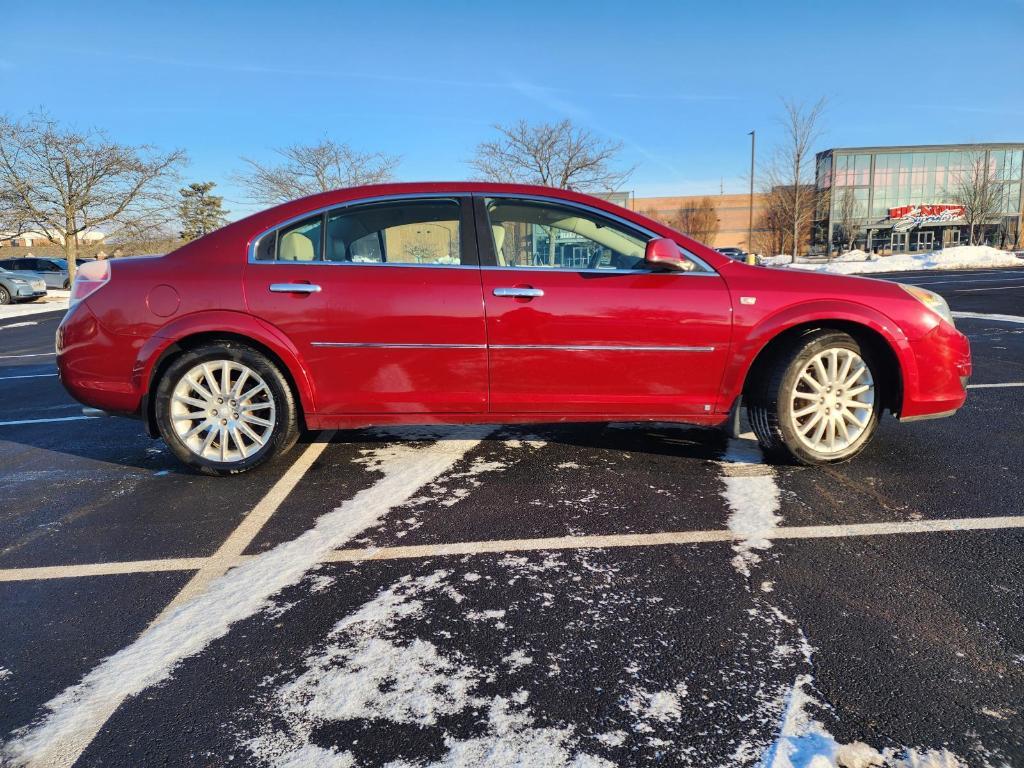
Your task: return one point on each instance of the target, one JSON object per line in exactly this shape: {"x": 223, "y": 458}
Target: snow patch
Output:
{"x": 54, "y": 301}
{"x": 661, "y": 706}
{"x": 960, "y": 257}
{"x": 81, "y": 709}
{"x": 752, "y": 496}
{"x": 365, "y": 674}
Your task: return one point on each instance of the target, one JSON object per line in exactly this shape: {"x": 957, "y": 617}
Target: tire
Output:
{"x": 5, "y": 295}
{"x": 67, "y": 285}
{"x": 794, "y": 421}
{"x": 241, "y": 435}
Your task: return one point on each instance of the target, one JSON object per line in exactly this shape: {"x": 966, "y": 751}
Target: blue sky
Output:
{"x": 679, "y": 84}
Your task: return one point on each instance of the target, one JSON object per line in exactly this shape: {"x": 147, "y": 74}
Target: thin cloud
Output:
{"x": 674, "y": 97}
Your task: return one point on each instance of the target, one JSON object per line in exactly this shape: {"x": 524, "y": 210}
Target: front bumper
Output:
{"x": 24, "y": 292}
{"x": 942, "y": 367}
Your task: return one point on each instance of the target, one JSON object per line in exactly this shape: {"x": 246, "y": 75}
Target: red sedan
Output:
{"x": 457, "y": 303}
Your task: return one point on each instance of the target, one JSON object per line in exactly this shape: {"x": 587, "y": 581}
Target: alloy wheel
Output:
{"x": 833, "y": 400}
{"x": 223, "y": 411}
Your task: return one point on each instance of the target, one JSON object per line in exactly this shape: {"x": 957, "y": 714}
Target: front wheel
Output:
{"x": 5, "y": 295}
{"x": 816, "y": 401}
{"x": 225, "y": 408}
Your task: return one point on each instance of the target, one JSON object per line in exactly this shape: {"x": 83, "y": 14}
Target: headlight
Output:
{"x": 932, "y": 300}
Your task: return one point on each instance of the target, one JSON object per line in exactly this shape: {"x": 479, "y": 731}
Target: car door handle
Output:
{"x": 519, "y": 293}
{"x": 294, "y": 288}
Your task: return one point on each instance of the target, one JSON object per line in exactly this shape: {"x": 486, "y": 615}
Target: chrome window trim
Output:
{"x": 254, "y": 242}
{"x": 601, "y": 271}
{"x": 709, "y": 270}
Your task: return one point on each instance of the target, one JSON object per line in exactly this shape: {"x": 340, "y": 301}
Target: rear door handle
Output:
{"x": 519, "y": 293}
{"x": 294, "y": 288}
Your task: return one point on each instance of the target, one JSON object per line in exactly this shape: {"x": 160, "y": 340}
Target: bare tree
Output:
{"x": 654, "y": 213}
{"x": 845, "y": 212}
{"x": 980, "y": 192}
{"x": 772, "y": 235}
{"x": 199, "y": 211}
{"x": 699, "y": 222}
{"x": 311, "y": 168}
{"x": 559, "y": 155}
{"x": 64, "y": 182}
{"x": 791, "y": 170}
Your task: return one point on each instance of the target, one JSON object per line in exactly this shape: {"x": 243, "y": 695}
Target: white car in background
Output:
{"x": 15, "y": 287}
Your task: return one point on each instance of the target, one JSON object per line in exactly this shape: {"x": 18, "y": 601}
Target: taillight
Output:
{"x": 89, "y": 278}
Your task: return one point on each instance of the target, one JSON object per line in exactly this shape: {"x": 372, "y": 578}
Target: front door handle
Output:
{"x": 294, "y": 288}
{"x": 519, "y": 293}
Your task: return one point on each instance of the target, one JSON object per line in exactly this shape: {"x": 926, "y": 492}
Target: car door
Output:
{"x": 577, "y": 323}
{"x": 383, "y": 300}
{"x": 50, "y": 272}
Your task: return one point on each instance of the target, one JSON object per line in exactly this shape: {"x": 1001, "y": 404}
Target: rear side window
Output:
{"x": 399, "y": 232}
{"x": 300, "y": 241}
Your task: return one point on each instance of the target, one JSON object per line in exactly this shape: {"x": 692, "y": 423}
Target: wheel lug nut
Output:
{"x": 223, "y": 421}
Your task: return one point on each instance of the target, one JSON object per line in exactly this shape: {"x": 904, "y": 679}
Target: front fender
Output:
{"x": 216, "y": 321}
{"x": 753, "y": 341}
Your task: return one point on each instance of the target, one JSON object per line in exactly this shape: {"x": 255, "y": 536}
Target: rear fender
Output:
{"x": 218, "y": 321}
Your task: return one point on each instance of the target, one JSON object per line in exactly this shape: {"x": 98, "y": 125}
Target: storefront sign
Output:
{"x": 907, "y": 217}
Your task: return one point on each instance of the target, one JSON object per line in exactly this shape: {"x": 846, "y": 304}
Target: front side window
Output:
{"x": 399, "y": 232}
{"x": 530, "y": 233}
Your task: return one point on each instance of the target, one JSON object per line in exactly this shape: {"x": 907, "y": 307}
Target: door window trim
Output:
{"x": 488, "y": 261}
{"x": 467, "y": 235}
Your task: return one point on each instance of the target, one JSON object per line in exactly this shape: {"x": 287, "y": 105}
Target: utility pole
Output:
{"x": 750, "y": 223}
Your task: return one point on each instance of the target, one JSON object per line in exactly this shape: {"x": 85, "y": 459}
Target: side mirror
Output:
{"x": 663, "y": 253}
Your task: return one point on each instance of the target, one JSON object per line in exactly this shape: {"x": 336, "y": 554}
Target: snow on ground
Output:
{"x": 54, "y": 300}
{"x": 858, "y": 262}
{"x": 81, "y": 709}
{"x": 754, "y": 500}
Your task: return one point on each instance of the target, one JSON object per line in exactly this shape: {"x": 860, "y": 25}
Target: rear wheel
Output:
{"x": 816, "y": 401}
{"x": 5, "y": 295}
{"x": 225, "y": 408}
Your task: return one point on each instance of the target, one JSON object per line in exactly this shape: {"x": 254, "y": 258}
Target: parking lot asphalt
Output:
{"x": 604, "y": 594}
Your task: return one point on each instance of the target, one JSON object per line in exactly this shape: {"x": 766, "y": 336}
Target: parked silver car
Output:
{"x": 20, "y": 288}
{"x": 52, "y": 271}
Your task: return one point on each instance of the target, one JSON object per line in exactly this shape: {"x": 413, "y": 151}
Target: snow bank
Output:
{"x": 52, "y": 302}
{"x": 960, "y": 257}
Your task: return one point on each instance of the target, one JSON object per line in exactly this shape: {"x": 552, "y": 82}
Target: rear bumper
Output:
{"x": 942, "y": 366}
{"x": 94, "y": 365}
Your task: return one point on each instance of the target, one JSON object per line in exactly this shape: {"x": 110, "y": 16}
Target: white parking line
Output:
{"x": 499, "y": 546}
{"x": 996, "y": 386}
{"x": 44, "y": 421}
{"x": 36, "y": 354}
{"x": 19, "y": 325}
{"x": 997, "y": 288}
{"x": 27, "y": 376}
{"x": 985, "y": 316}
{"x": 77, "y": 714}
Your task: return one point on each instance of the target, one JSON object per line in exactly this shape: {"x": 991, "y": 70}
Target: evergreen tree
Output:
{"x": 199, "y": 211}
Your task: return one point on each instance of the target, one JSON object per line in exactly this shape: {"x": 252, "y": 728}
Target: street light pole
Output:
{"x": 750, "y": 222}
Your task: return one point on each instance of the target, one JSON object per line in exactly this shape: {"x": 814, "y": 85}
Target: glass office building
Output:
{"x": 906, "y": 198}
